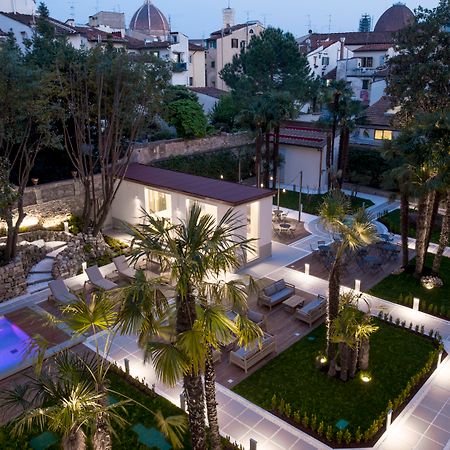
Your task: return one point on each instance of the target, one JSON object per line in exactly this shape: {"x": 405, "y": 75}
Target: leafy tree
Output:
{"x": 223, "y": 115}
{"x": 270, "y": 71}
{"x": 354, "y": 231}
{"x": 174, "y": 93}
{"x": 418, "y": 79}
{"x": 102, "y": 100}
{"x": 188, "y": 118}
{"x": 24, "y": 130}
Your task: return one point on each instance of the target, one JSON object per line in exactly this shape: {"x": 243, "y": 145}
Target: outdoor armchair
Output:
{"x": 312, "y": 311}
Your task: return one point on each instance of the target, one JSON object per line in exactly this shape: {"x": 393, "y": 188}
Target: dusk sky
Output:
{"x": 197, "y": 18}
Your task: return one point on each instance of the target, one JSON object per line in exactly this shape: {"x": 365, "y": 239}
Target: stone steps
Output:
{"x": 53, "y": 254}
{"x": 44, "y": 266}
{"x": 33, "y": 288}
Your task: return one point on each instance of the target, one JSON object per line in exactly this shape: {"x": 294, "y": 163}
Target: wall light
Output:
{"x": 306, "y": 269}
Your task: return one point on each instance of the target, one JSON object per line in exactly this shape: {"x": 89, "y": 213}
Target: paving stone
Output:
{"x": 438, "y": 434}
{"x": 39, "y": 277}
{"x": 236, "y": 430}
{"x": 33, "y": 288}
{"x": 43, "y": 266}
{"x": 249, "y": 417}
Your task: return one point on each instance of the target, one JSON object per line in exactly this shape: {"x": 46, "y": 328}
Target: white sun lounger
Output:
{"x": 60, "y": 292}
{"x": 98, "y": 280}
{"x": 124, "y": 269}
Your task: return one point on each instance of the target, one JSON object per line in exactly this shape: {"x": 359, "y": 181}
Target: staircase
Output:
{"x": 41, "y": 273}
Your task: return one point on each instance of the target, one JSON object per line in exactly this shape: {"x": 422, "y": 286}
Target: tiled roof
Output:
{"x": 373, "y": 47}
{"x": 195, "y": 47}
{"x": 232, "y": 194}
{"x": 303, "y": 136}
{"x": 351, "y": 38}
{"x": 226, "y": 31}
{"x": 137, "y": 44}
{"x": 211, "y": 91}
{"x": 376, "y": 114}
{"x": 94, "y": 35}
{"x": 30, "y": 21}
{"x": 331, "y": 75}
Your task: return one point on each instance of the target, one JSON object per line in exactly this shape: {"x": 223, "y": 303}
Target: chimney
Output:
{"x": 342, "y": 39}
{"x": 228, "y": 18}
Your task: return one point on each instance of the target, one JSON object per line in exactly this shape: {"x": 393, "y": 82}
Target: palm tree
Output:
{"x": 355, "y": 231}
{"x": 191, "y": 252}
{"x": 444, "y": 237}
{"x": 63, "y": 398}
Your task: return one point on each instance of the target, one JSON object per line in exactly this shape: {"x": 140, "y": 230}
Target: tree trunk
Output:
{"x": 76, "y": 440}
{"x": 344, "y": 157}
{"x": 258, "y": 145}
{"x": 102, "y": 435}
{"x": 444, "y": 237}
{"x": 267, "y": 162}
{"x": 211, "y": 403}
{"x": 433, "y": 216}
{"x": 344, "y": 351}
{"x": 275, "y": 157}
{"x": 424, "y": 207}
{"x": 404, "y": 222}
{"x": 364, "y": 354}
{"x": 192, "y": 382}
{"x": 334, "y": 285}
{"x": 353, "y": 362}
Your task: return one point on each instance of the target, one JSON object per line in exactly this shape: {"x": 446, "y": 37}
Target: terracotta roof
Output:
{"x": 210, "y": 91}
{"x": 351, "y": 38}
{"x": 150, "y": 20}
{"x": 95, "y": 35}
{"x": 373, "y": 47}
{"x": 376, "y": 114}
{"x": 195, "y": 47}
{"x": 395, "y": 18}
{"x": 30, "y": 21}
{"x": 226, "y": 31}
{"x": 137, "y": 44}
{"x": 331, "y": 75}
{"x": 303, "y": 136}
{"x": 232, "y": 194}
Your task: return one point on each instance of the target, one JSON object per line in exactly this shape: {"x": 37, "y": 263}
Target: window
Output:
{"x": 383, "y": 135}
{"x": 367, "y": 61}
{"x": 191, "y": 81}
{"x": 155, "y": 54}
{"x": 243, "y": 44}
{"x": 325, "y": 60}
{"x": 365, "y": 84}
{"x": 190, "y": 59}
{"x": 234, "y": 43}
{"x": 211, "y": 44}
{"x": 213, "y": 64}
{"x": 158, "y": 202}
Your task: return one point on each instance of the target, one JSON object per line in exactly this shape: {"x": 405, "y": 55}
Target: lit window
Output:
{"x": 383, "y": 135}
{"x": 157, "y": 202}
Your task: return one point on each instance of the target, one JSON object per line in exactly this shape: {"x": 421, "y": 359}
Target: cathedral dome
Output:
{"x": 395, "y": 18}
{"x": 148, "y": 19}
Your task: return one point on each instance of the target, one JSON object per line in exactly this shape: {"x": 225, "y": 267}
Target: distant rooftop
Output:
{"x": 210, "y": 91}
{"x": 303, "y": 135}
{"x": 232, "y": 194}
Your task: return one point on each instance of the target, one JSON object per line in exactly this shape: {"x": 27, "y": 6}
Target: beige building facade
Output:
{"x": 197, "y": 65}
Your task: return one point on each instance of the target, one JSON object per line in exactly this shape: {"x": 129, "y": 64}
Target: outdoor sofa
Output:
{"x": 312, "y": 311}
{"x": 246, "y": 358}
{"x": 259, "y": 318}
{"x": 275, "y": 293}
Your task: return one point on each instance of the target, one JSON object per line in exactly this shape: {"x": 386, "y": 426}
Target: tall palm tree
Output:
{"x": 355, "y": 231}
{"x": 191, "y": 252}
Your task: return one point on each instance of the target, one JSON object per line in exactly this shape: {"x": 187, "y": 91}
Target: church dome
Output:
{"x": 148, "y": 19}
{"x": 395, "y": 18}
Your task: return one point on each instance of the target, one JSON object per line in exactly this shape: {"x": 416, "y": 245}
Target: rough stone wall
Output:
{"x": 80, "y": 249}
{"x": 13, "y": 276}
{"x": 146, "y": 153}
{"x": 45, "y": 235}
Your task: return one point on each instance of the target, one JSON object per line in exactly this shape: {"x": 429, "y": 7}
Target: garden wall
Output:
{"x": 146, "y": 153}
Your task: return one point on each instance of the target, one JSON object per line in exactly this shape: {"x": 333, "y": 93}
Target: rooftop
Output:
{"x": 395, "y": 18}
{"x": 373, "y": 47}
{"x": 30, "y": 21}
{"x": 232, "y": 194}
{"x": 303, "y": 136}
{"x": 226, "y": 31}
{"x": 210, "y": 91}
{"x": 379, "y": 113}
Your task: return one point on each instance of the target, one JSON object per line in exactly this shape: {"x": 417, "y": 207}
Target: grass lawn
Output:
{"x": 404, "y": 284}
{"x": 312, "y": 202}
{"x": 392, "y": 221}
{"x": 395, "y": 356}
{"x": 125, "y": 438}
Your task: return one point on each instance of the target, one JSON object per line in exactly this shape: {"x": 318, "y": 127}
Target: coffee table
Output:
{"x": 292, "y": 303}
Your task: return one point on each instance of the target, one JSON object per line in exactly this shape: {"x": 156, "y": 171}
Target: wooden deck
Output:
{"x": 280, "y": 324}
{"x": 368, "y": 276}
{"x": 295, "y": 233}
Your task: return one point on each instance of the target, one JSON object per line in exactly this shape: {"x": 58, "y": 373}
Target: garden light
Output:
{"x": 365, "y": 377}
{"x": 416, "y": 302}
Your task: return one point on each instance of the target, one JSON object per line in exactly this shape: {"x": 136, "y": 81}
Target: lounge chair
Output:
{"x": 312, "y": 311}
{"x": 124, "y": 269}
{"x": 60, "y": 292}
{"x": 98, "y": 280}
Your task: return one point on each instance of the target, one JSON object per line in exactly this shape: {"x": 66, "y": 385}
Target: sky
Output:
{"x": 198, "y": 18}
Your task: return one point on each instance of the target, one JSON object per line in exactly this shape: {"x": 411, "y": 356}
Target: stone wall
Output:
{"x": 13, "y": 276}
{"x": 79, "y": 249}
{"x": 146, "y": 153}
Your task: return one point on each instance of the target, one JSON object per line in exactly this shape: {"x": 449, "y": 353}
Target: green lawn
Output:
{"x": 396, "y": 355}
{"x": 312, "y": 202}
{"x": 404, "y": 284}
{"x": 125, "y": 438}
{"x": 392, "y": 221}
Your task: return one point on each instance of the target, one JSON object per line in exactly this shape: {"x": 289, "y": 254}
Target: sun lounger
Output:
{"x": 98, "y": 280}
{"x": 60, "y": 292}
{"x": 124, "y": 269}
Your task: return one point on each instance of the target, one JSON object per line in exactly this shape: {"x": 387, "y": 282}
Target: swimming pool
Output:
{"x": 13, "y": 345}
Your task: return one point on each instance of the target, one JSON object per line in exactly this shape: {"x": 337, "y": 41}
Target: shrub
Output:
{"x": 313, "y": 423}
{"x": 403, "y": 323}
{"x": 339, "y": 436}
{"x": 188, "y": 118}
{"x": 305, "y": 420}
{"x": 117, "y": 246}
{"x": 274, "y": 402}
{"x": 329, "y": 433}
{"x": 422, "y": 329}
{"x": 281, "y": 406}
{"x": 347, "y": 436}
{"x": 358, "y": 435}
{"x": 397, "y": 321}
{"x": 76, "y": 224}
{"x": 320, "y": 428}
{"x": 297, "y": 416}
{"x": 287, "y": 410}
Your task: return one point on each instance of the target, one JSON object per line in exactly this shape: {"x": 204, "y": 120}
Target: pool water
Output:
{"x": 13, "y": 345}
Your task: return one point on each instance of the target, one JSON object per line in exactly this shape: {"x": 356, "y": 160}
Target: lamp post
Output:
{"x": 300, "y": 206}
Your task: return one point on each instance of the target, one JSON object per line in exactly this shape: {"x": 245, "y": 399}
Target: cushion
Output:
{"x": 245, "y": 353}
{"x": 282, "y": 295}
{"x": 280, "y": 285}
{"x": 270, "y": 290}
{"x": 310, "y": 307}
{"x": 255, "y": 316}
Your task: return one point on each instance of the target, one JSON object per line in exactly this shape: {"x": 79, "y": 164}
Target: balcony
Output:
{"x": 179, "y": 67}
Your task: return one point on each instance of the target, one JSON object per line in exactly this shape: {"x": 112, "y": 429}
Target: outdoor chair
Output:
{"x": 312, "y": 311}
{"x": 60, "y": 292}
{"x": 123, "y": 268}
{"x": 98, "y": 280}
